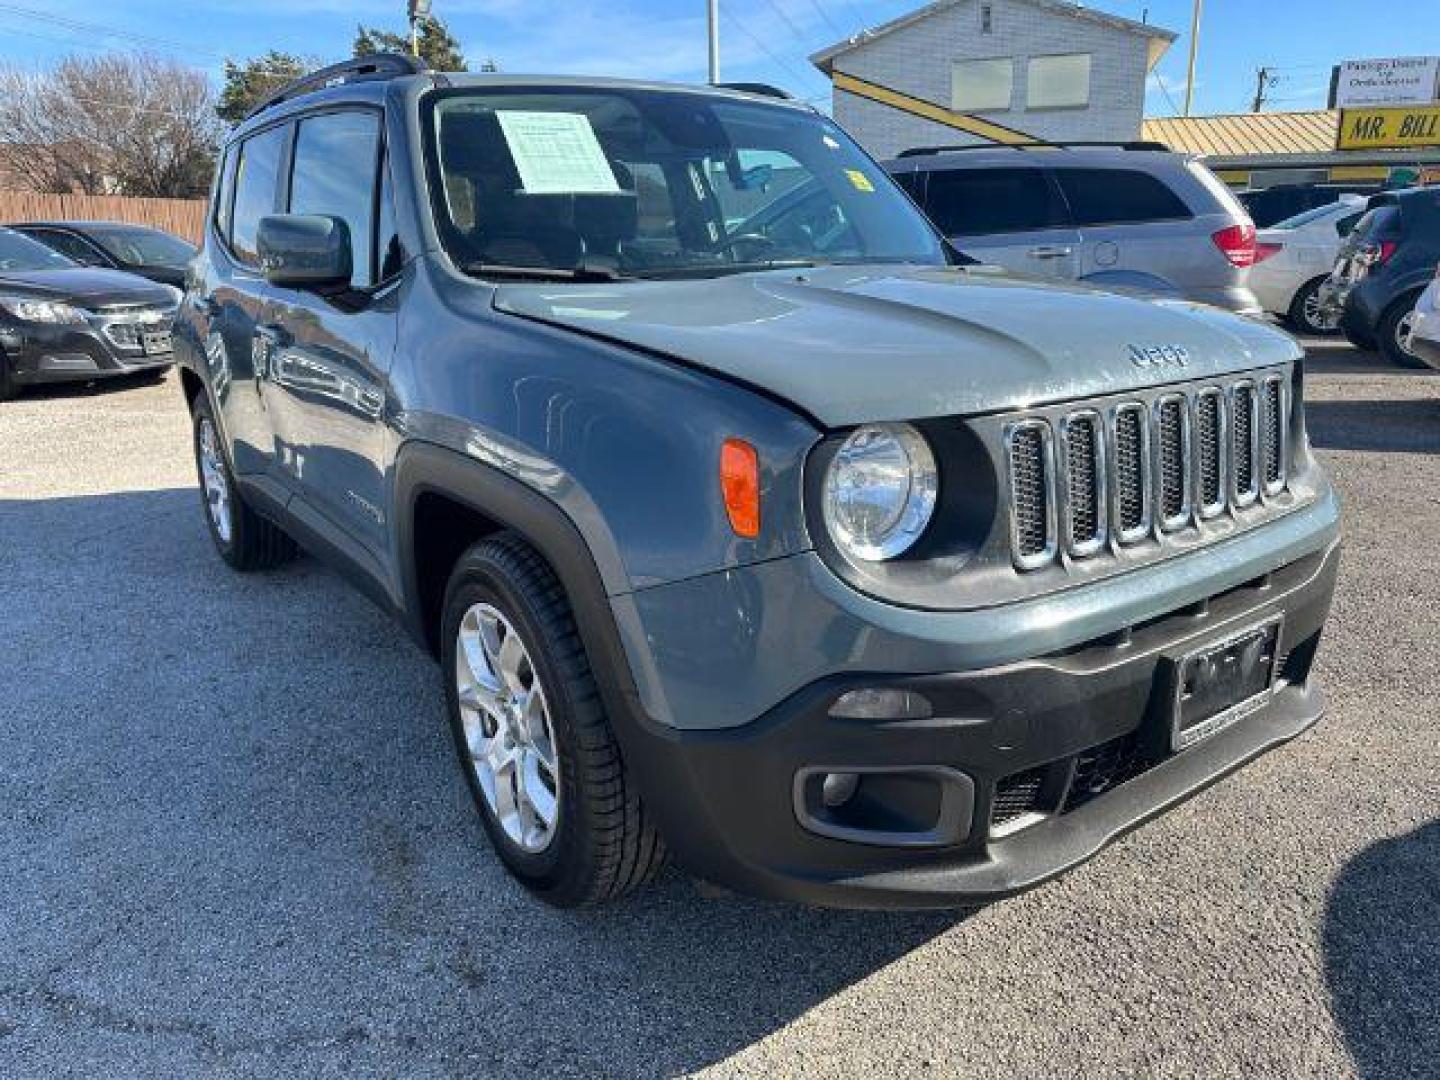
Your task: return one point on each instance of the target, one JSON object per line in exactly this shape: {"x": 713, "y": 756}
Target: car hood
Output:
{"x": 849, "y": 345}
{"x": 87, "y": 286}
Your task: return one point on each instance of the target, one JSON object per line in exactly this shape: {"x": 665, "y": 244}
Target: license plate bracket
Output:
{"x": 1222, "y": 682}
{"x": 155, "y": 342}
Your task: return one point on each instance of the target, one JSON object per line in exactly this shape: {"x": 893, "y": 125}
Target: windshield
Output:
{"x": 142, "y": 247}
{"x": 19, "y": 252}
{"x": 651, "y": 183}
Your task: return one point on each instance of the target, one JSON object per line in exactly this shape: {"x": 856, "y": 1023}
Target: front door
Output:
{"x": 330, "y": 353}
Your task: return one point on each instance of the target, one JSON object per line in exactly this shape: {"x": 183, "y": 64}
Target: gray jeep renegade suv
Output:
{"x": 747, "y": 521}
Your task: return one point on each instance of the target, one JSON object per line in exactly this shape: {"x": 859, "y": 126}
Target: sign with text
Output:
{"x": 1406, "y": 80}
{"x": 1389, "y": 129}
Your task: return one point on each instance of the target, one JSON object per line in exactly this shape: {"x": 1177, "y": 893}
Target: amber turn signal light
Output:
{"x": 740, "y": 484}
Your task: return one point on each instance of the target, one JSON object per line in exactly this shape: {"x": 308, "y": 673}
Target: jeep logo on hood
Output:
{"x": 1159, "y": 356}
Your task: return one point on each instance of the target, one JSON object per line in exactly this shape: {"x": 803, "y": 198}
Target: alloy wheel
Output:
{"x": 217, "y": 483}
{"x": 1315, "y": 316}
{"x": 1402, "y": 332}
{"x": 509, "y": 740}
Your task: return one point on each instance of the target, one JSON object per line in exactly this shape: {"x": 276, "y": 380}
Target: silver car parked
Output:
{"x": 1130, "y": 216}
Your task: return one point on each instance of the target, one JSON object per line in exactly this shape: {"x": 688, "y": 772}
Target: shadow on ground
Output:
{"x": 1408, "y": 426}
{"x": 1382, "y": 955}
{"x": 234, "y": 835}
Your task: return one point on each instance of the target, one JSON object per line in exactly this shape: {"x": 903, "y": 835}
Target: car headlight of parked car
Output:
{"x": 880, "y": 491}
{"x": 29, "y": 309}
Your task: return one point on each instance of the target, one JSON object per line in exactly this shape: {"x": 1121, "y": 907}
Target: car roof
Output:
{"x": 376, "y": 91}
{"x": 1038, "y": 157}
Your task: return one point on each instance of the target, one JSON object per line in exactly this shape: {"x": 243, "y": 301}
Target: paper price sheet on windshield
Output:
{"x": 556, "y": 153}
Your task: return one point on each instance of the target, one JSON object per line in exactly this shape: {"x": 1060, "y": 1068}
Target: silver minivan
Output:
{"x": 1129, "y": 216}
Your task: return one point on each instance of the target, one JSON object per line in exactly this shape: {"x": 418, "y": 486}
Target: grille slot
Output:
{"x": 1144, "y": 468}
{"x": 1132, "y": 466}
{"x": 1084, "y": 448}
{"x": 1242, "y": 443}
{"x": 1016, "y": 797}
{"x": 1104, "y": 767}
{"x": 1032, "y": 514}
{"x": 1209, "y": 451}
{"x": 1172, "y": 461}
{"x": 1272, "y": 434}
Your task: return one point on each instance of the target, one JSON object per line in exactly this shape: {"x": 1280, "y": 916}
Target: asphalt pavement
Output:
{"x": 234, "y": 841}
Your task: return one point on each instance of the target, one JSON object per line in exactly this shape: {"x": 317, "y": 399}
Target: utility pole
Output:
{"x": 1263, "y": 81}
{"x": 419, "y": 10}
{"x": 1194, "y": 48}
{"x": 712, "y": 19}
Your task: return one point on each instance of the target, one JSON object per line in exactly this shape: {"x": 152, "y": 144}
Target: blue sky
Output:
{"x": 765, "y": 40}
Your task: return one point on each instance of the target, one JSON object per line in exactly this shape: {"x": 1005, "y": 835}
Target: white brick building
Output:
{"x": 1046, "y": 68}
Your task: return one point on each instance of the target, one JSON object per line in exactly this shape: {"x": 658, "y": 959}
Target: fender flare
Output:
{"x": 422, "y": 468}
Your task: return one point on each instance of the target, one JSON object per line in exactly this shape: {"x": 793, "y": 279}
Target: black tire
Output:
{"x": 603, "y": 844}
{"x": 7, "y": 383}
{"x": 1302, "y": 322}
{"x": 1388, "y": 332}
{"x": 1357, "y": 336}
{"x": 254, "y": 542}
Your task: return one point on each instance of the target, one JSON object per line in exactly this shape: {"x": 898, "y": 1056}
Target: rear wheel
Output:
{"x": 1394, "y": 332}
{"x": 1306, "y": 315}
{"x": 531, "y": 732}
{"x": 244, "y": 539}
{"x": 7, "y": 381}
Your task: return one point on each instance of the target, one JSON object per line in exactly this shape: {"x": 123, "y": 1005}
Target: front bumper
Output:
{"x": 39, "y": 353}
{"x": 1081, "y": 734}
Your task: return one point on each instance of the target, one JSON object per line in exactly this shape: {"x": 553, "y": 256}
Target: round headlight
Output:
{"x": 880, "y": 491}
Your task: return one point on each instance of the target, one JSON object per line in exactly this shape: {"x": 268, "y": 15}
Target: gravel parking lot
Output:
{"x": 233, "y": 839}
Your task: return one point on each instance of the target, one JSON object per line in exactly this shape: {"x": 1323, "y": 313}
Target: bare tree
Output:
{"x": 129, "y": 124}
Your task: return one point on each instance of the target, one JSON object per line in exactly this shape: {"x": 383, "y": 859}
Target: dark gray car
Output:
{"x": 1139, "y": 218}
{"x": 745, "y": 524}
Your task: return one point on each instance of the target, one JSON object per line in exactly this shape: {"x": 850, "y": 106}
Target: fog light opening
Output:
{"x": 881, "y": 704}
{"x": 838, "y": 788}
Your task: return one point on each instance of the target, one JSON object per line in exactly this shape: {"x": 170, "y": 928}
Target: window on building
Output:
{"x": 255, "y": 189}
{"x": 1058, "y": 82}
{"x": 987, "y": 18}
{"x": 1114, "y": 196}
{"x": 977, "y": 85}
{"x": 336, "y": 155}
{"x": 977, "y": 202}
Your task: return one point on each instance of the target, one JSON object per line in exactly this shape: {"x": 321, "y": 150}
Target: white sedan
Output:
{"x": 1293, "y": 257}
{"x": 1424, "y": 326}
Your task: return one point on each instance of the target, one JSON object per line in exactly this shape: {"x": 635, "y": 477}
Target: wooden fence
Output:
{"x": 183, "y": 217}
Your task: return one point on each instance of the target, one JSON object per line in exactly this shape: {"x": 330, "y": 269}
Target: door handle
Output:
{"x": 1060, "y": 251}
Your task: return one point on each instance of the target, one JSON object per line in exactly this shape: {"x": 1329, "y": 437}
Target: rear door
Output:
{"x": 1008, "y": 216}
{"x": 1131, "y": 225}
{"x": 332, "y": 352}
{"x": 232, "y": 300}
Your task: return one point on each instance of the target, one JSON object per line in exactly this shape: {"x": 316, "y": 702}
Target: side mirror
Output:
{"x": 305, "y": 251}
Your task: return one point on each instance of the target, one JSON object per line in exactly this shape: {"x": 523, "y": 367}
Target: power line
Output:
{"x": 735, "y": 22}
{"x": 775, "y": 7}
{"x": 84, "y": 26}
{"x": 826, "y": 16}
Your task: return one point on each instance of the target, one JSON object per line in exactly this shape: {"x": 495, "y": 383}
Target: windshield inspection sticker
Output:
{"x": 859, "y": 180}
{"x": 557, "y": 153}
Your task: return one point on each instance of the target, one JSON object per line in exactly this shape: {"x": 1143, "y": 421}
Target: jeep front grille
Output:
{"x": 1082, "y": 480}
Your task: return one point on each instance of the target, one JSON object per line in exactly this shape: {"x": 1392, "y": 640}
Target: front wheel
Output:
{"x": 531, "y": 732}
{"x": 1394, "y": 333}
{"x": 1307, "y": 315}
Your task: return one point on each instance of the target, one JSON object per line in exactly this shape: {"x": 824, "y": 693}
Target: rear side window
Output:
{"x": 1118, "y": 196}
{"x": 1348, "y": 222}
{"x": 256, "y": 178}
{"x": 975, "y": 202}
{"x": 337, "y": 158}
{"x": 225, "y": 193}
{"x": 912, "y": 182}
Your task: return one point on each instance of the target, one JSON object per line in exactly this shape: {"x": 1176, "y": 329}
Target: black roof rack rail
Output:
{"x": 1133, "y": 144}
{"x": 764, "y": 89}
{"x": 372, "y": 68}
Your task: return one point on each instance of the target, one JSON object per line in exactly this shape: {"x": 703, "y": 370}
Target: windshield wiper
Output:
{"x": 545, "y": 273}
{"x": 704, "y": 270}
